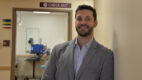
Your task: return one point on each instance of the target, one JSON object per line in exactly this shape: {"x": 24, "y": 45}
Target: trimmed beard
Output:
{"x": 90, "y": 30}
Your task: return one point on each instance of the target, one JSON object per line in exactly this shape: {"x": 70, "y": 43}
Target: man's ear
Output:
{"x": 95, "y": 23}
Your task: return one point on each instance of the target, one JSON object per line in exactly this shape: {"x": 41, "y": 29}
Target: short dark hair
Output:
{"x": 82, "y": 7}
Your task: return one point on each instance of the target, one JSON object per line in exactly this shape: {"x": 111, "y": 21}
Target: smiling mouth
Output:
{"x": 83, "y": 26}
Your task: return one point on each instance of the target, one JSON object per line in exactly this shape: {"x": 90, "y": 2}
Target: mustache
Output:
{"x": 83, "y": 25}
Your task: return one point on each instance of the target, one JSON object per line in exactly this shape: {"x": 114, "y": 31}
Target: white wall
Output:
{"x": 53, "y": 29}
{"x": 123, "y": 18}
{"x": 127, "y": 39}
{"x": 103, "y": 31}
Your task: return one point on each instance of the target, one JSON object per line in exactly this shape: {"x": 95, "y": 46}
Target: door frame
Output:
{"x": 12, "y": 74}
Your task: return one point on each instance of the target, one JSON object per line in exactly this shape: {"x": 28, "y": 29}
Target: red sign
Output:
{"x": 55, "y": 5}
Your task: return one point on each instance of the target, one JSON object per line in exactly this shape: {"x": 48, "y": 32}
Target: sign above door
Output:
{"x": 55, "y": 5}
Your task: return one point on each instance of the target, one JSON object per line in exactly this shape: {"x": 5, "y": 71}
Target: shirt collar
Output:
{"x": 87, "y": 44}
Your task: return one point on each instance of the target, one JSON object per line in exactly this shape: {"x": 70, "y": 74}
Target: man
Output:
{"x": 82, "y": 58}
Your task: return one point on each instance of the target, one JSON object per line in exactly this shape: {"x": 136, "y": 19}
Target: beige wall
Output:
{"x": 127, "y": 39}
{"x": 103, "y": 32}
{"x": 123, "y": 19}
{"x": 6, "y": 7}
{"x": 4, "y": 75}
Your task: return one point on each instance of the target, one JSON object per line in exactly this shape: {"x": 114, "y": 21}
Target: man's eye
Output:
{"x": 88, "y": 19}
{"x": 79, "y": 19}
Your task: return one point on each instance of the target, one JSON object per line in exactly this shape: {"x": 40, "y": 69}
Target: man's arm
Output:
{"x": 108, "y": 68}
{"x": 50, "y": 70}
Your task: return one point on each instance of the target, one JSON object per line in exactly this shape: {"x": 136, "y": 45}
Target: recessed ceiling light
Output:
{"x": 39, "y": 12}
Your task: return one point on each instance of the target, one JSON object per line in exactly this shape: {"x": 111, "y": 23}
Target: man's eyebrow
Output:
{"x": 88, "y": 16}
{"x": 78, "y": 16}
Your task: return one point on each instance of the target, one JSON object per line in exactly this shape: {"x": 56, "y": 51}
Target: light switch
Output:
{"x": 6, "y": 43}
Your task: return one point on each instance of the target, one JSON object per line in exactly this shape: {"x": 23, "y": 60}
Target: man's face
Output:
{"x": 85, "y": 23}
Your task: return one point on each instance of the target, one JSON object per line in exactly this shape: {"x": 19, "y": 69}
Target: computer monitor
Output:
{"x": 37, "y": 49}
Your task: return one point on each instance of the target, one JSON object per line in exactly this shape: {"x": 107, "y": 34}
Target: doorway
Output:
{"x": 42, "y": 26}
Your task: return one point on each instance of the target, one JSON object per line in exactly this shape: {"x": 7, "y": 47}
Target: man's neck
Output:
{"x": 83, "y": 40}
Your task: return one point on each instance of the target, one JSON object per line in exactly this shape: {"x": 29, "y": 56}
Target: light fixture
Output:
{"x": 39, "y": 12}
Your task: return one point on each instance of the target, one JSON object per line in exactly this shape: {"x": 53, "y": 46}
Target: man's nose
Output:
{"x": 83, "y": 21}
